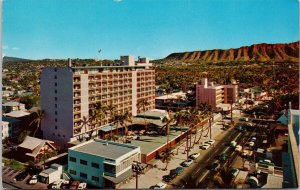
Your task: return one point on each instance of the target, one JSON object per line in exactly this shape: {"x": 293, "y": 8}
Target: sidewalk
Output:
{"x": 154, "y": 175}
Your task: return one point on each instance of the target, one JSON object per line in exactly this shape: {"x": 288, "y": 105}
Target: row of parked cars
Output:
{"x": 207, "y": 144}
{"x": 176, "y": 172}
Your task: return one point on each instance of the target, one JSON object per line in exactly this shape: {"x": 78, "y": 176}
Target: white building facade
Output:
{"x": 101, "y": 163}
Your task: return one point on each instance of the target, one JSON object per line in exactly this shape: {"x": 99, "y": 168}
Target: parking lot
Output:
{"x": 9, "y": 174}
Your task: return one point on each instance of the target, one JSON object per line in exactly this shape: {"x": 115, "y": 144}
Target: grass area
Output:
{"x": 13, "y": 164}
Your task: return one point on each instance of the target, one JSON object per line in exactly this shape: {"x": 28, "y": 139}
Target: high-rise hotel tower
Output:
{"x": 68, "y": 93}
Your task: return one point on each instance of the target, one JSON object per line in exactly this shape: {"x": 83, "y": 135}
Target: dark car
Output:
{"x": 179, "y": 170}
{"x": 215, "y": 166}
{"x": 167, "y": 178}
{"x": 223, "y": 157}
{"x": 21, "y": 176}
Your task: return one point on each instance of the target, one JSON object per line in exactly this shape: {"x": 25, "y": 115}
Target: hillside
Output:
{"x": 257, "y": 52}
{"x": 14, "y": 59}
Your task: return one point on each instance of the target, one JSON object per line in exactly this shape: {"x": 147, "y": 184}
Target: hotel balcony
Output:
{"x": 77, "y": 102}
{"x": 76, "y": 110}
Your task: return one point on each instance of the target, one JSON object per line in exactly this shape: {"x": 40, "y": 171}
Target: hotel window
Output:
{"x": 55, "y": 98}
{"x": 72, "y": 159}
{"x": 55, "y": 105}
{"x": 55, "y": 91}
{"x": 55, "y": 84}
{"x": 55, "y": 127}
{"x": 95, "y": 165}
{"x": 55, "y": 77}
{"x": 72, "y": 172}
{"x": 83, "y": 162}
{"x": 83, "y": 175}
{"x": 94, "y": 178}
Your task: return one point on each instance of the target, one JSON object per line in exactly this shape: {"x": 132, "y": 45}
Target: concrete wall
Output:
{"x": 134, "y": 93}
{"x": 57, "y": 124}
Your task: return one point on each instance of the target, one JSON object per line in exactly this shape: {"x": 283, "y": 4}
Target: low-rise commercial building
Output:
{"x": 102, "y": 163}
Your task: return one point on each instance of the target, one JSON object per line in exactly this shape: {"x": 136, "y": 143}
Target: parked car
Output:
{"x": 188, "y": 162}
{"x": 238, "y": 148}
{"x": 179, "y": 170}
{"x": 168, "y": 178}
{"x": 253, "y": 138}
{"x": 194, "y": 156}
{"x": 204, "y": 146}
{"x": 244, "y": 119}
{"x": 240, "y": 128}
{"x": 223, "y": 157}
{"x": 21, "y": 176}
{"x": 251, "y": 144}
{"x": 210, "y": 142}
{"x": 234, "y": 172}
{"x": 57, "y": 184}
{"x": 74, "y": 184}
{"x": 160, "y": 185}
{"x": 215, "y": 166}
{"x": 267, "y": 162}
{"x": 33, "y": 180}
{"x": 82, "y": 186}
{"x": 233, "y": 143}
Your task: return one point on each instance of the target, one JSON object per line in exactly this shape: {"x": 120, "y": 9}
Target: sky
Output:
{"x": 57, "y": 29}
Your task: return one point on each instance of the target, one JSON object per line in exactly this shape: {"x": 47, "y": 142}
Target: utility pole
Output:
{"x": 138, "y": 169}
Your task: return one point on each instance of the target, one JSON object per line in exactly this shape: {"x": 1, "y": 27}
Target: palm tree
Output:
{"x": 127, "y": 118}
{"x": 178, "y": 119}
{"x": 38, "y": 120}
{"x": 167, "y": 157}
{"x": 111, "y": 110}
{"x": 142, "y": 104}
{"x": 167, "y": 122}
{"x": 84, "y": 123}
{"x": 117, "y": 120}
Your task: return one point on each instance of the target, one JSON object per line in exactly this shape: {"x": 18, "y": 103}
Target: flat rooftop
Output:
{"x": 106, "y": 149}
{"x": 149, "y": 144}
{"x": 171, "y": 96}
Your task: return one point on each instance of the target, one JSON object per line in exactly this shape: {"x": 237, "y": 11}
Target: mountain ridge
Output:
{"x": 263, "y": 52}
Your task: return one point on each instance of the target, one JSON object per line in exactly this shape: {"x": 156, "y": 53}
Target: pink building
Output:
{"x": 215, "y": 94}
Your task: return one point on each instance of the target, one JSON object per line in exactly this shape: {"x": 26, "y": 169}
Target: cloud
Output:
{"x": 118, "y": 1}
{"x": 15, "y": 48}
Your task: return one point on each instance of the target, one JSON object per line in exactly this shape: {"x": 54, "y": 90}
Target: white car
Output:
{"x": 211, "y": 142}
{"x": 234, "y": 172}
{"x": 194, "y": 156}
{"x": 238, "y": 148}
{"x": 33, "y": 180}
{"x": 188, "y": 162}
{"x": 205, "y": 146}
{"x": 251, "y": 143}
{"x": 244, "y": 119}
{"x": 57, "y": 184}
{"x": 160, "y": 185}
{"x": 82, "y": 186}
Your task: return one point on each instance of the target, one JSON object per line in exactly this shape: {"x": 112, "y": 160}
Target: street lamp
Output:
{"x": 138, "y": 169}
